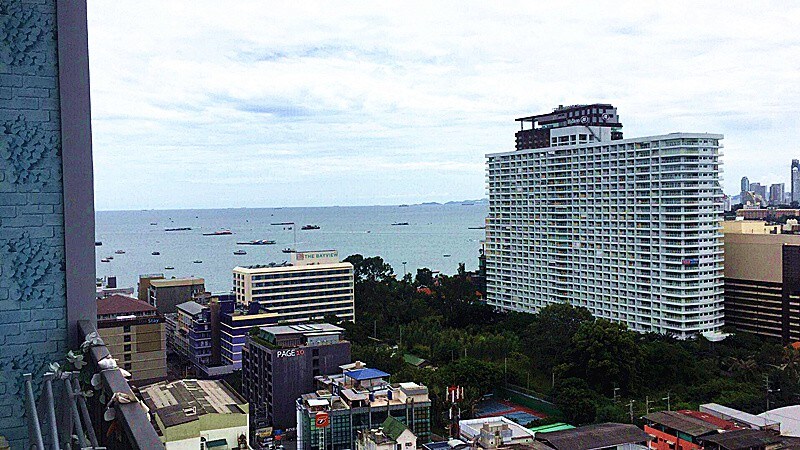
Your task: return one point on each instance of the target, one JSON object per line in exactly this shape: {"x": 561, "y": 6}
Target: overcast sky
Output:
{"x": 227, "y": 104}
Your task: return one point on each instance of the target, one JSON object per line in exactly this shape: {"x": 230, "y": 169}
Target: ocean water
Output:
{"x": 433, "y": 232}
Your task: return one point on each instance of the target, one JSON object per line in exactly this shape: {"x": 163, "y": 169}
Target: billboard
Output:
{"x": 322, "y": 420}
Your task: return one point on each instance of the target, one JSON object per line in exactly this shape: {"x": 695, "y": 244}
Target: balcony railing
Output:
{"x": 135, "y": 432}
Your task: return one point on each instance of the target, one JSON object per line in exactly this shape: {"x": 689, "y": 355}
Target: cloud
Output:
{"x": 308, "y": 103}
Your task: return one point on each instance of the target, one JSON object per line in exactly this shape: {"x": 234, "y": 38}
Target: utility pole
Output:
{"x": 647, "y": 404}
{"x": 375, "y": 329}
{"x": 616, "y": 396}
{"x": 630, "y": 409}
{"x": 769, "y": 391}
{"x": 667, "y": 399}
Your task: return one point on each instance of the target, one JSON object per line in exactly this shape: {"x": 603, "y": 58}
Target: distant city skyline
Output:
{"x": 219, "y": 105}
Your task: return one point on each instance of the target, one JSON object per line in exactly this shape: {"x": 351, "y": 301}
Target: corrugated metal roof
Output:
{"x": 593, "y": 437}
{"x": 681, "y": 422}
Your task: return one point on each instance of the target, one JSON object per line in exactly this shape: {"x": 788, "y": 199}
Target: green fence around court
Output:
{"x": 515, "y": 394}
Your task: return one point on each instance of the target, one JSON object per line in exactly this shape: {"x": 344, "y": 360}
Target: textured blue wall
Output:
{"x": 33, "y": 327}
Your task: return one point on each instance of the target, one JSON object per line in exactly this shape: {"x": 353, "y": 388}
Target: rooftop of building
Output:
{"x": 558, "y": 426}
{"x": 122, "y": 305}
{"x": 594, "y": 436}
{"x": 744, "y": 439}
{"x": 184, "y": 401}
{"x": 172, "y": 282}
{"x": 788, "y": 417}
{"x": 288, "y": 267}
{"x": 471, "y": 428}
{"x": 683, "y": 423}
{"x": 310, "y": 329}
{"x": 737, "y": 417}
{"x": 389, "y": 431}
{"x": 190, "y": 307}
{"x": 359, "y": 386}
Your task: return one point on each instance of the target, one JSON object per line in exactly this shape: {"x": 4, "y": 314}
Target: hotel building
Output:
{"x": 279, "y": 364}
{"x": 313, "y": 286}
{"x": 167, "y": 293}
{"x": 134, "y": 333}
{"x": 628, "y": 228}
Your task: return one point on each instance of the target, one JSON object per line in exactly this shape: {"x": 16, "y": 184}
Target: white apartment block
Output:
{"x": 314, "y": 285}
{"x": 628, "y": 228}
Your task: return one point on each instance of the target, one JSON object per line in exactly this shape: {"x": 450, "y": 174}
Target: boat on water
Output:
{"x": 288, "y": 250}
{"x": 120, "y": 252}
{"x": 477, "y": 228}
{"x": 310, "y": 227}
{"x": 257, "y": 242}
{"x": 109, "y": 257}
{"x": 168, "y": 268}
{"x": 155, "y": 253}
{"x": 240, "y": 252}
{"x": 218, "y": 233}
{"x": 446, "y": 255}
{"x": 400, "y": 223}
{"x": 98, "y": 243}
{"x": 197, "y": 261}
{"x": 178, "y": 229}
{"x": 153, "y": 223}
{"x": 104, "y": 260}
{"x": 403, "y": 206}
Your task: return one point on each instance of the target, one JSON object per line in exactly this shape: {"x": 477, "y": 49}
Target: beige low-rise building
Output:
{"x": 134, "y": 333}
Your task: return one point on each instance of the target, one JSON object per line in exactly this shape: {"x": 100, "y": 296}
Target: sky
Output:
{"x": 210, "y": 104}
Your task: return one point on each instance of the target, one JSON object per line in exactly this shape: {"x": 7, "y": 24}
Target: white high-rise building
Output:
{"x": 315, "y": 285}
{"x": 628, "y": 228}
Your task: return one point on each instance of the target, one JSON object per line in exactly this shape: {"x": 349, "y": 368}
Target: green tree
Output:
{"x": 605, "y": 354}
{"x": 576, "y": 401}
{"x": 551, "y": 333}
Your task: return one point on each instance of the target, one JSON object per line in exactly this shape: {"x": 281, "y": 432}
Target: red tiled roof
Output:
{"x": 713, "y": 420}
{"x": 122, "y": 305}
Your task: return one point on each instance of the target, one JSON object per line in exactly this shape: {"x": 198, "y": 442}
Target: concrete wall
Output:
{"x": 756, "y": 256}
{"x": 46, "y": 194}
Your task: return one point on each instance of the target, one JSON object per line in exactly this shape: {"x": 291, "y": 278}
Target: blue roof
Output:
{"x": 365, "y": 374}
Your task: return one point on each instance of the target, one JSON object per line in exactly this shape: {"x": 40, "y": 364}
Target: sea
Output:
{"x": 438, "y": 236}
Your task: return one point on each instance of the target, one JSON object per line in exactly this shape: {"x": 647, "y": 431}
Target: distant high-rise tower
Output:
{"x": 577, "y": 215}
{"x": 795, "y": 180}
{"x": 776, "y": 194}
{"x": 745, "y": 186}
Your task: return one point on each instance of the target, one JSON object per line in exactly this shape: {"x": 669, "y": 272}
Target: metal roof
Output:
{"x": 190, "y": 307}
{"x": 365, "y": 374}
{"x": 686, "y": 424}
{"x": 593, "y": 437}
{"x": 743, "y": 439}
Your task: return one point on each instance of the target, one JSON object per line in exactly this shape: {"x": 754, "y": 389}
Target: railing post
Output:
{"x": 33, "y": 416}
{"x": 51, "y": 409}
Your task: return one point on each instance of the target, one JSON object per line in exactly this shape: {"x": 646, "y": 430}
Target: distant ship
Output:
{"x": 240, "y": 252}
{"x": 218, "y": 233}
{"x": 288, "y": 250}
{"x": 310, "y": 227}
{"x": 197, "y": 261}
{"x": 120, "y": 252}
{"x": 257, "y": 242}
{"x": 400, "y": 223}
{"x": 155, "y": 253}
{"x": 178, "y": 229}
{"x": 104, "y": 260}
{"x": 446, "y": 255}
{"x": 168, "y": 268}
{"x": 477, "y": 228}
{"x": 98, "y": 243}
{"x": 403, "y": 206}
{"x": 153, "y": 223}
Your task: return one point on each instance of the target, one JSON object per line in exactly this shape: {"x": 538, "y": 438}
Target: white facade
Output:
{"x": 311, "y": 288}
{"x": 629, "y": 229}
